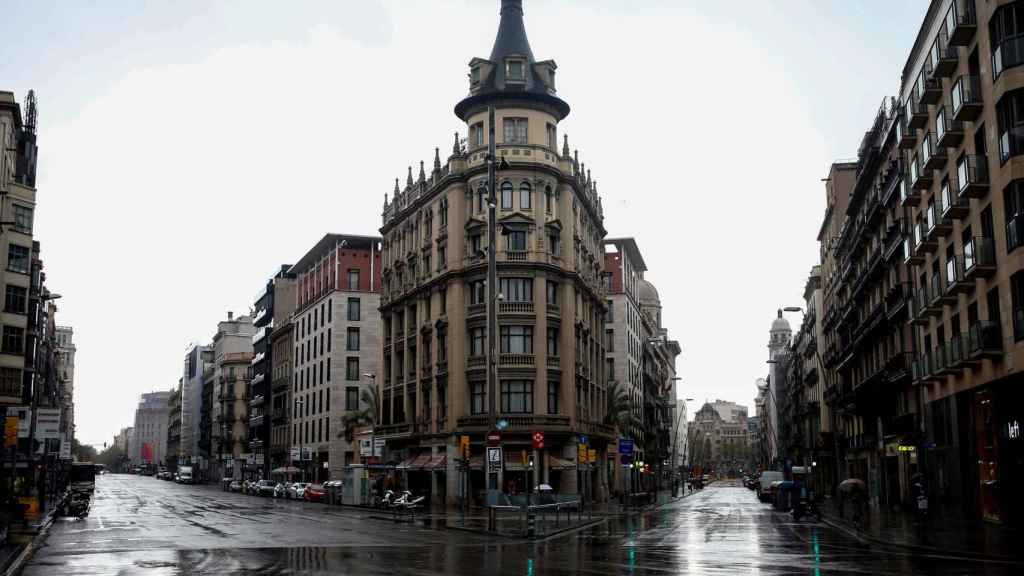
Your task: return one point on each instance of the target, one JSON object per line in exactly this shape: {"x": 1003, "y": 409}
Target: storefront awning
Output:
{"x": 417, "y": 462}
{"x": 556, "y": 463}
{"x": 438, "y": 463}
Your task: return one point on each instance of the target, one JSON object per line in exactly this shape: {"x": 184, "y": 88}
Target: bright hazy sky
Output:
{"x": 187, "y": 149}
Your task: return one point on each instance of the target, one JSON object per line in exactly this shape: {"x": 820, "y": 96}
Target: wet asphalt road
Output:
{"x": 141, "y": 525}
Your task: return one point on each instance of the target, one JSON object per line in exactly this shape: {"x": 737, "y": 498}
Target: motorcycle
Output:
{"x": 407, "y": 501}
{"x": 387, "y": 500}
{"x": 75, "y": 503}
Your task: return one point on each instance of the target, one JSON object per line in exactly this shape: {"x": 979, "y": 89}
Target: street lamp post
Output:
{"x": 675, "y": 438}
{"x": 373, "y": 427}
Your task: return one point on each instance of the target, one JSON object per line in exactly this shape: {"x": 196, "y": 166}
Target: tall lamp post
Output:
{"x": 376, "y": 414}
{"x": 675, "y": 439}
{"x": 493, "y": 478}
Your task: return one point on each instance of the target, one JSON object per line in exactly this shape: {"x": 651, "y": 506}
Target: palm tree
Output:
{"x": 365, "y": 416}
{"x": 619, "y": 411}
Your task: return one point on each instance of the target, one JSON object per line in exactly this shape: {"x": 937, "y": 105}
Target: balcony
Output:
{"x": 921, "y": 369}
{"x": 471, "y": 310}
{"x": 961, "y": 23}
{"x": 938, "y": 226}
{"x": 979, "y": 258}
{"x": 279, "y": 416}
{"x": 257, "y": 421}
{"x": 515, "y": 307}
{"x": 930, "y": 91}
{"x": 518, "y": 422}
{"x": 896, "y": 298}
{"x": 476, "y": 362}
{"x": 948, "y": 130}
{"x": 516, "y": 360}
{"x": 966, "y": 98}
{"x": 919, "y": 307}
{"x": 934, "y": 303}
{"x": 917, "y": 114}
{"x": 925, "y": 239}
{"x": 984, "y": 340}
{"x": 393, "y": 430}
{"x": 972, "y": 176}
{"x": 910, "y": 253}
{"x": 899, "y": 365}
{"x": 943, "y": 56}
{"x": 955, "y": 351}
{"x": 954, "y": 206}
{"x": 956, "y": 280}
{"x": 554, "y": 310}
{"x": 906, "y": 137}
{"x": 920, "y": 178}
{"x": 257, "y": 400}
{"x": 933, "y": 157}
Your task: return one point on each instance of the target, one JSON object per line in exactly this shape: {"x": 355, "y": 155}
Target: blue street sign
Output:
{"x": 625, "y": 446}
{"x": 584, "y": 440}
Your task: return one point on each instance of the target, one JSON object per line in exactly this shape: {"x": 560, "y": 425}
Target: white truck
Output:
{"x": 185, "y": 475}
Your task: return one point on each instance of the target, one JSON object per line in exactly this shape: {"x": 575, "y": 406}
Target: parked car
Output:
{"x": 764, "y": 487}
{"x": 315, "y": 493}
{"x": 296, "y": 490}
{"x": 263, "y": 488}
{"x": 235, "y": 486}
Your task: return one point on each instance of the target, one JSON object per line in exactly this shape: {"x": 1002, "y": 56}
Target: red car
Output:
{"x": 315, "y": 493}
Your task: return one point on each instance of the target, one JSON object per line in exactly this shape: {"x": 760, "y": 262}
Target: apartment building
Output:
{"x": 230, "y": 376}
{"x": 281, "y": 371}
{"x": 17, "y": 208}
{"x": 261, "y": 407}
{"x": 923, "y": 296}
{"x": 336, "y": 345}
{"x": 550, "y": 359}
{"x": 639, "y": 357}
{"x": 721, "y": 437}
{"x": 149, "y": 444}
{"x": 65, "y": 350}
{"x": 173, "y": 443}
{"x": 197, "y": 358}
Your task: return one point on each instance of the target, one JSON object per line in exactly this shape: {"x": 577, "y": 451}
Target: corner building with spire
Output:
{"x": 550, "y": 264}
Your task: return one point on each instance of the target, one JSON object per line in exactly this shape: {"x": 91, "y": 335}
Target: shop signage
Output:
{"x": 907, "y": 448}
{"x": 538, "y": 440}
{"x": 307, "y": 454}
{"x": 625, "y": 445}
{"x": 582, "y": 453}
{"x": 464, "y": 446}
{"x": 493, "y": 459}
{"x": 294, "y": 455}
{"x": 65, "y": 450}
{"x": 11, "y": 426}
{"x": 1013, "y": 430}
{"x": 584, "y": 439}
{"x": 47, "y": 423}
{"x": 591, "y": 455}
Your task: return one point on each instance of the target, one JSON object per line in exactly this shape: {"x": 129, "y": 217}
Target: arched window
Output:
{"x": 525, "y": 196}
{"x": 506, "y": 195}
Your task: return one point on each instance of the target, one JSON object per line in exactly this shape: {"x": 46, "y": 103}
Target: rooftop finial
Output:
{"x": 408, "y": 178}
{"x": 437, "y": 159}
{"x": 423, "y": 175}
{"x": 396, "y": 188}
{"x": 565, "y": 145}
{"x": 455, "y": 149}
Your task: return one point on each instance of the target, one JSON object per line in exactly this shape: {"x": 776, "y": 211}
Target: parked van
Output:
{"x": 184, "y": 475}
{"x": 764, "y": 487}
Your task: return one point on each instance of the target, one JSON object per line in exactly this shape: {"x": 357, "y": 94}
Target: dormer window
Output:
{"x": 515, "y": 70}
{"x": 474, "y": 75}
{"x": 551, "y": 78}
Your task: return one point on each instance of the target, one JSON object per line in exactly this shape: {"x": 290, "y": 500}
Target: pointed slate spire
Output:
{"x": 456, "y": 150}
{"x": 423, "y": 175}
{"x": 437, "y": 159}
{"x": 408, "y": 178}
{"x": 396, "y": 188}
{"x": 511, "y": 37}
{"x": 565, "y": 145}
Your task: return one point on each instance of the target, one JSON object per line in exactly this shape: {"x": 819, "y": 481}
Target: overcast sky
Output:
{"x": 187, "y": 149}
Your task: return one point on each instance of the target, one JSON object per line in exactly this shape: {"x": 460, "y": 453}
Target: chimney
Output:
{"x": 231, "y": 316}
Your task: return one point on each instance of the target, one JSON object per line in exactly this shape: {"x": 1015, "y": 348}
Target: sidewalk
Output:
{"x": 939, "y": 534}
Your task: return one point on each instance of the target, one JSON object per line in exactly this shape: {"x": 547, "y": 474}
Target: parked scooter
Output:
{"x": 387, "y": 500}
{"x": 407, "y": 501}
{"x": 806, "y": 505}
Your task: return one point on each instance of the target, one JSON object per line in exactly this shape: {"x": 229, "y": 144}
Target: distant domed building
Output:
{"x": 779, "y": 337}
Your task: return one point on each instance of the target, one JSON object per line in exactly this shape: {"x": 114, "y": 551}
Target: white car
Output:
{"x": 297, "y": 490}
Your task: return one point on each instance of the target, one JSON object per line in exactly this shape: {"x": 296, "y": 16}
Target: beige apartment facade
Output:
{"x": 232, "y": 370}
{"x": 928, "y": 273}
{"x": 336, "y": 354}
{"x": 551, "y": 381}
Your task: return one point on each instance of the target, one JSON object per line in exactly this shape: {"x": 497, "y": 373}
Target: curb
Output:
{"x": 16, "y": 566}
{"x": 874, "y": 540}
{"x": 541, "y": 538}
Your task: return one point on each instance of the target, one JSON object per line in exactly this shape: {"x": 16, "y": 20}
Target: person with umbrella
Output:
{"x": 855, "y": 490}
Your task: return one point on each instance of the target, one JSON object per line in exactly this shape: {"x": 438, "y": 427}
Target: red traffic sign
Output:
{"x": 538, "y": 440}
{"x": 493, "y": 438}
